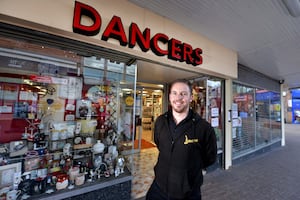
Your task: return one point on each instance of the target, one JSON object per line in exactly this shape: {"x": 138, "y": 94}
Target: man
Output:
{"x": 186, "y": 144}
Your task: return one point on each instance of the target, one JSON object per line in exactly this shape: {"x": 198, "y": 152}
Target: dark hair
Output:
{"x": 187, "y": 82}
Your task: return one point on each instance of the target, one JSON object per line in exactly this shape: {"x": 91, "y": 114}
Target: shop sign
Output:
{"x": 240, "y": 98}
{"x": 173, "y": 48}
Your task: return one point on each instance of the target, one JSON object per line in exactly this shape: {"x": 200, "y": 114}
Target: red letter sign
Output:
{"x": 187, "y": 53}
{"x": 159, "y": 43}
{"x": 154, "y": 44}
{"x": 136, "y": 36}
{"x": 115, "y": 30}
{"x": 82, "y": 9}
{"x": 175, "y": 49}
{"x": 197, "y": 57}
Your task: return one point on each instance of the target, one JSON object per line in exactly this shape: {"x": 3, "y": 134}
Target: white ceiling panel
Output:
{"x": 265, "y": 35}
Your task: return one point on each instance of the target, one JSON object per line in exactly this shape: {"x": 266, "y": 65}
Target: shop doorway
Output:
{"x": 152, "y": 101}
{"x": 149, "y": 107}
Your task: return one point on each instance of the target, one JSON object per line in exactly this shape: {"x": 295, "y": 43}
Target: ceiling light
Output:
{"x": 126, "y": 89}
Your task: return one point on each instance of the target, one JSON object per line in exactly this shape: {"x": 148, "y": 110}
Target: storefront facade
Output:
{"x": 69, "y": 78}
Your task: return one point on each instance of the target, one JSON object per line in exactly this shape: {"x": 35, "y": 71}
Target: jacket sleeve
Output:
{"x": 210, "y": 147}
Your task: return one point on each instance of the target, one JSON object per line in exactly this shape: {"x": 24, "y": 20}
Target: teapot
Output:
{"x": 98, "y": 147}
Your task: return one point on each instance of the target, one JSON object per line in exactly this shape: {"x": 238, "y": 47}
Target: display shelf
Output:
{"x": 105, "y": 188}
{"x": 82, "y": 146}
{"x": 147, "y": 123}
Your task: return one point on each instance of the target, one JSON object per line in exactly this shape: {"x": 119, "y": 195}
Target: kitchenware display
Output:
{"x": 113, "y": 151}
{"x": 88, "y": 140}
{"x": 32, "y": 161}
{"x": 97, "y": 161}
{"x": 77, "y": 140}
{"x": 98, "y": 147}
{"x": 13, "y": 194}
{"x": 38, "y": 186}
{"x": 63, "y": 135}
{"x": 73, "y": 172}
{"x": 62, "y": 181}
{"x": 67, "y": 149}
{"x": 79, "y": 180}
{"x": 94, "y": 93}
{"x": 54, "y": 135}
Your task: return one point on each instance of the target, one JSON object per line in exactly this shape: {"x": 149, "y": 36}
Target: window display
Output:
{"x": 64, "y": 116}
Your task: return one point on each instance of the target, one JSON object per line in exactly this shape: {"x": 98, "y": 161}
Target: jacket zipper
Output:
{"x": 172, "y": 147}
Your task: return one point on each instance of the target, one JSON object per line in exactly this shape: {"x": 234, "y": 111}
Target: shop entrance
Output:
{"x": 152, "y": 100}
{"x": 149, "y": 107}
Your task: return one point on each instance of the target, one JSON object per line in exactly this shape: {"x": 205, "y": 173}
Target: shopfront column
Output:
{"x": 282, "y": 115}
{"x": 228, "y": 125}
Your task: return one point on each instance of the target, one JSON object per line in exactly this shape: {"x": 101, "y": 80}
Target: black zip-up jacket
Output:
{"x": 183, "y": 156}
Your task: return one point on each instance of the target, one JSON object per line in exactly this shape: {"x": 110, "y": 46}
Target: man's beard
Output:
{"x": 181, "y": 109}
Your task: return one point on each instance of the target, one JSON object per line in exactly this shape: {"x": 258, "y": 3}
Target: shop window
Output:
{"x": 243, "y": 132}
{"x": 257, "y": 122}
{"x": 63, "y": 115}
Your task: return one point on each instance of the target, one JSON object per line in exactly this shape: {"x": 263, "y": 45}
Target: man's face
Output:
{"x": 180, "y": 97}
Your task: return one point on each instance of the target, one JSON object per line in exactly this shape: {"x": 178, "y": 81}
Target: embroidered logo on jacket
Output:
{"x": 188, "y": 141}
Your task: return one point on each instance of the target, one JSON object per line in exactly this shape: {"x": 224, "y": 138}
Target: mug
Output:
{"x": 13, "y": 194}
{"x": 73, "y": 172}
{"x": 79, "y": 180}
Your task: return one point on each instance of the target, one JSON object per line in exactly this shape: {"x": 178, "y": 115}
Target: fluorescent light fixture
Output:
{"x": 37, "y": 58}
{"x": 293, "y": 7}
{"x": 126, "y": 89}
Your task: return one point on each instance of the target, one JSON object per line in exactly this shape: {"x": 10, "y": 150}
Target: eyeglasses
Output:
{"x": 181, "y": 94}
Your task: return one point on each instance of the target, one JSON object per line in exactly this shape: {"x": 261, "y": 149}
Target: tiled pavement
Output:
{"x": 274, "y": 175}
{"x": 143, "y": 171}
